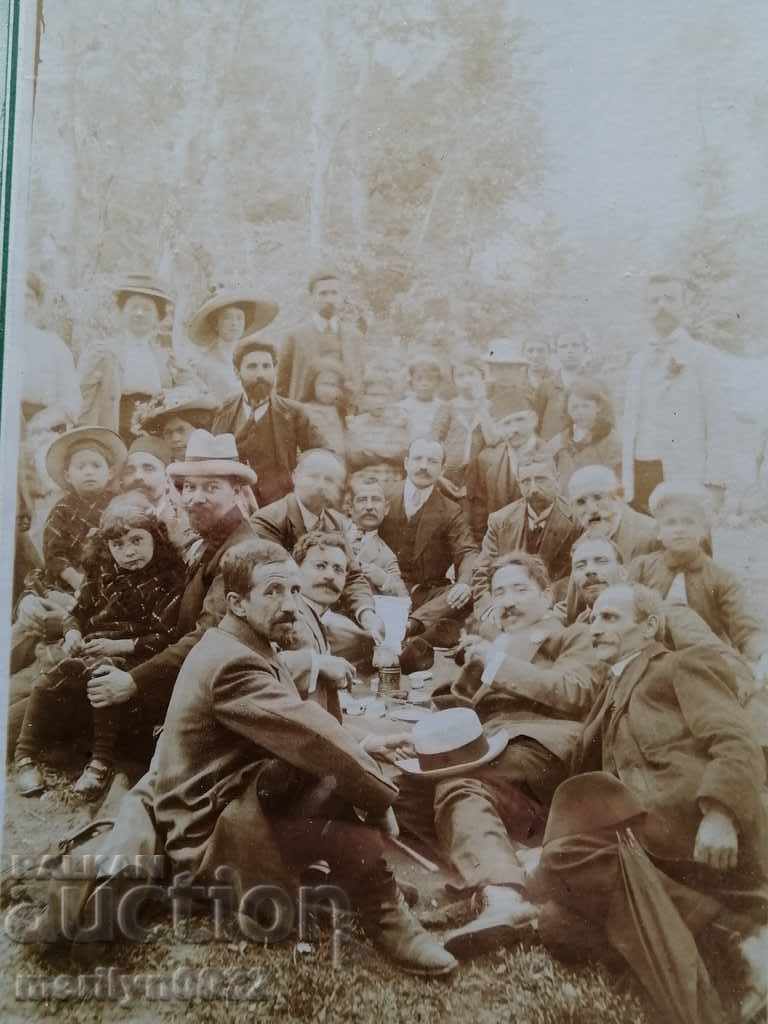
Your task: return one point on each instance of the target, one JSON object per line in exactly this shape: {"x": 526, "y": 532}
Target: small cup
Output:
{"x": 389, "y": 681}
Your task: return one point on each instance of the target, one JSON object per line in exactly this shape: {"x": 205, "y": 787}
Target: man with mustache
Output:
{"x": 595, "y": 496}
{"x": 378, "y": 562}
{"x": 540, "y": 522}
{"x": 534, "y": 682}
{"x": 270, "y": 431}
{"x": 659, "y": 841}
{"x": 673, "y": 420}
{"x": 211, "y": 477}
{"x": 254, "y": 778}
{"x": 428, "y": 534}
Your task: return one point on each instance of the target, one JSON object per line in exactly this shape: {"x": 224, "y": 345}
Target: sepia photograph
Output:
{"x": 384, "y": 455}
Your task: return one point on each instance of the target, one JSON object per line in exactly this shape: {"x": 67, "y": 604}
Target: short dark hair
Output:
{"x": 542, "y": 459}
{"x": 357, "y": 481}
{"x": 533, "y": 565}
{"x": 428, "y": 440}
{"x": 327, "y": 274}
{"x": 585, "y": 539}
{"x": 238, "y": 563}
{"x": 252, "y": 343}
{"x": 320, "y": 539}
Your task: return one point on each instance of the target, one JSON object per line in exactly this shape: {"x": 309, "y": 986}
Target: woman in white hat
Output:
{"x": 215, "y": 329}
{"x": 119, "y": 374}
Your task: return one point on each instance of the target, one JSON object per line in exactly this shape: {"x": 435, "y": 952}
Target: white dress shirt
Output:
{"x": 323, "y": 325}
{"x": 414, "y": 498}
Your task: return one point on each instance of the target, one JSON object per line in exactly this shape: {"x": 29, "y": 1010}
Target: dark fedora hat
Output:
{"x": 590, "y": 802}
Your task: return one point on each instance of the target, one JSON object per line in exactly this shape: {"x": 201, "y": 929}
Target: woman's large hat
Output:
{"x": 451, "y": 742}
{"x": 209, "y": 455}
{"x": 183, "y": 401}
{"x": 100, "y": 439}
{"x": 258, "y": 313}
{"x": 142, "y": 284}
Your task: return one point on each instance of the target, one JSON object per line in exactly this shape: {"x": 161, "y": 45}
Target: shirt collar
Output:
{"x": 617, "y": 670}
{"x": 414, "y": 497}
{"x": 309, "y": 518}
{"x": 535, "y": 519}
{"x": 321, "y": 323}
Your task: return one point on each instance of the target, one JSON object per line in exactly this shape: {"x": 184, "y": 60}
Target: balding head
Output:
{"x": 319, "y": 479}
{"x": 594, "y": 494}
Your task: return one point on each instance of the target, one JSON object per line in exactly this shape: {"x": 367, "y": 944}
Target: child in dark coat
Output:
{"x": 126, "y": 611}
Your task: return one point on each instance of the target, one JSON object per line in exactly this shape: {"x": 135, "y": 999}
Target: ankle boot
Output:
{"x": 503, "y": 914}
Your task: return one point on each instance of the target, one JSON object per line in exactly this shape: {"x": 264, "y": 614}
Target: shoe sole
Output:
{"x": 424, "y": 972}
{"x": 466, "y": 944}
{"x": 34, "y": 791}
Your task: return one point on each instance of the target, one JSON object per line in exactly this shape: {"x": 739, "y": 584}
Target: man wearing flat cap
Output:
{"x": 325, "y": 335}
{"x": 118, "y": 375}
{"x": 270, "y": 431}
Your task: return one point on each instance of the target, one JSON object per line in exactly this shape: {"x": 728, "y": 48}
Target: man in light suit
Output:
{"x": 539, "y": 522}
{"x": 673, "y": 413}
{"x": 270, "y": 431}
{"x": 428, "y": 534}
{"x": 325, "y": 335}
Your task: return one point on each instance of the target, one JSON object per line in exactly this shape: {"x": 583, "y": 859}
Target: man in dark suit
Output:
{"x": 594, "y": 494}
{"x": 670, "y": 839}
{"x": 251, "y": 776}
{"x": 213, "y": 477}
{"x": 324, "y": 336}
{"x": 270, "y": 431}
{"x": 318, "y": 488}
{"x": 539, "y": 522}
{"x": 428, "y": 534}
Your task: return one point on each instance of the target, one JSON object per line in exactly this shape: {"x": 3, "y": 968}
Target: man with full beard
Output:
{"x": 212, "y": 477}
{"x": 144, "y": 474}
{"x": 270, "y": 431}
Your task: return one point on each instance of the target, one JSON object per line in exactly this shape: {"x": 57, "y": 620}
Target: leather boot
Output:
{"x": 29, "y": 778}
{"x": 504, "y": 913}
{"x": 393, "y": 928}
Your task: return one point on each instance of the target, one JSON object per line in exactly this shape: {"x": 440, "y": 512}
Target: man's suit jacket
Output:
{"x": 443, "y": 539}
{"x": 492, "y": 484}
{"x": 671, "y": 729}
{"x": 300, "y": 659}
{"x": 636, "y": 535}
{"x": 283, "y": 523}
{"x": 304, "y": 346}
{"x": 294, "y": 429}
{"x": 541, "y": 691}
{"x": 378, "y": 563}
{"x": 235, "y": 712}
{"x": 203, "y": 604}
{"x": 506, "y": 533}
{"x": 694, "y": 419}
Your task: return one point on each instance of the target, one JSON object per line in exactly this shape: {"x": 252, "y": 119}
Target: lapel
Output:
{"x": 499, "y": 476}
{"x": 315, "y": 626}
{"x": 430, "y": 521}
{"x": 557, "y": 531}
{"x": 282, "y": 425}
{"x": 513, "y": 528}
{"x": 294, "y": 521}
{"x": 239, "y": 418}
{"x": 623, "y": 689}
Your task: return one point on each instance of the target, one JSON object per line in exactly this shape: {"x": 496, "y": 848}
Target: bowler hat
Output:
{"x": 209, "y": 455}
{"x": 258, "y": 313}
{"x": 63, "y": 448}
{"x": 183, "y": 401}
{"x": 451, "y": 742}
{"x": 588, "y": 803}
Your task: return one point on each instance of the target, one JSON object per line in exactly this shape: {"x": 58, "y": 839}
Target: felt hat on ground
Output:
{"x": 451, "y": 742}
{"x": 589, "y": 802}
{"x": 100, "y": 439}
{"x": 506, "y": 350}
{"x": 142, "y": 284}
{"x": 184, "y": 401}
{"x": 258, "y": 313}
{"x": 209, "y": 455}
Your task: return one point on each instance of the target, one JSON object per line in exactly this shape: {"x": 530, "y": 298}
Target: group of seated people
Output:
{"x": 213, "y": 576}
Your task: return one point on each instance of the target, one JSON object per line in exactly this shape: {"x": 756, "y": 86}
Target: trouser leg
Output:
{"x": 649, "y": 473}
{"x": 58, "y": 696}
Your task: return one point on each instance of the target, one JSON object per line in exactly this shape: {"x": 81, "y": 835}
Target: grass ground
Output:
{"x": 521, "y": 983}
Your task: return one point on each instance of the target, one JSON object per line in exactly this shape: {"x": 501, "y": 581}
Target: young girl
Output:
{"x": 328, "y": 403}
{"x": 125, "y": 612}
{"x": 590, "y": 438}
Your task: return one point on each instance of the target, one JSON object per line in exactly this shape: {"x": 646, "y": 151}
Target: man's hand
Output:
{"x": 372, "y": 624}
{"x": 384, "y": 657}
{"x": 388, "y": 748}
{"x": 458, "y": 596}
{"x": 73, "y": 642}
{"x": 74, "y": 578}
{"x": 109, "y": 686}
{"x": 104, "y": 647}
{"x": 335, "y": 670}
{"x": 717, "y": 841}
{"x": 475, "y": 648}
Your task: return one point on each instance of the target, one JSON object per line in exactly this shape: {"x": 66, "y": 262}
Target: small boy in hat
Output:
{"x": 684, "y": 574}
{"x": 84, "y": 462}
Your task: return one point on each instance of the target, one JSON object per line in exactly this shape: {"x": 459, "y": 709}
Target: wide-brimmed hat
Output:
{"x": 588, "y": 803}
{"x": 506, "y": 350}
{"x": 451, "y": 742}
{"x": 209, "y": 455}
{"x": 177, "y": 402}
{"x": 258, "y": 313}
{"x": 142, "y": 284}
{"x": 100, "y": 439}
